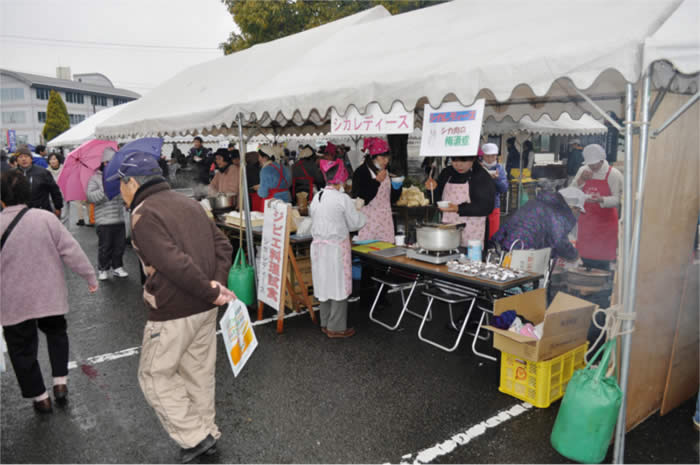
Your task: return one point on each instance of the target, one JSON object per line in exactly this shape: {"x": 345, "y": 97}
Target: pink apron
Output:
{"x": 475, "y": 225}
{"x": 317, "y": 256}
{"x": 380, "y": 224}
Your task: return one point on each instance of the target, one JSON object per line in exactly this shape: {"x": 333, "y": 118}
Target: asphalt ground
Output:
{"x": 378, "y": 397}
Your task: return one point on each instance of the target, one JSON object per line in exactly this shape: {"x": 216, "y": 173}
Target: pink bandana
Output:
{"x": 340, "y": 176}
{"x": 330, "y": 149}
{"x": 376, "y": 146}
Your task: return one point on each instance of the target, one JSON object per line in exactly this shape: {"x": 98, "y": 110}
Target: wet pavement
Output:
{"x": 378, "y": 397}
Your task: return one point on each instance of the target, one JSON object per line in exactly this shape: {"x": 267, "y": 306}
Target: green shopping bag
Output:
{"x": 241, "y": 279}
{"x": 586, "y": 420}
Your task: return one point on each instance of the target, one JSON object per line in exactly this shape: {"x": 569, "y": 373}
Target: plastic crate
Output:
{"x": 540, "y": 383}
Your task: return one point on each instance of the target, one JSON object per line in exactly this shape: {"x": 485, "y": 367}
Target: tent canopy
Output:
{"x": 442, "y": 53}
{"x": 85, "y": 130}
{"x": 564, "y": 126}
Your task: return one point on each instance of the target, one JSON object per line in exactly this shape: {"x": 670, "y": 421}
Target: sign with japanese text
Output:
{"x": 272, "y": 273}
{"x": 238, "y": 334}
{"x": 374, "y": 121}
{"x": 453, "y": 130}
{"x": 12, "y": 140}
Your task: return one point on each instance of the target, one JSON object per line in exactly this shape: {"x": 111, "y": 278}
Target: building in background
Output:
{"x": 23, "y": 99}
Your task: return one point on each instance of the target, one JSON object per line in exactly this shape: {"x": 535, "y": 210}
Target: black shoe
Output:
{"x": 60, "y": 393}
{"x": 43, "y": 406}
{"x": 90, "y": 225}
{"x": 80, "y": 223}
{"x": 188, "y": 455}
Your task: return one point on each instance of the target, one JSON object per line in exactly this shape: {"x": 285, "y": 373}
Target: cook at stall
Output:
{"x": 334, "y": 215}
{"x": 275, "y": 180}
{"x": 597, "y": 228}
{"x": 470, "y": 192}
{"x": 227, "y": 177}
{"x": 306, "y": 174}
{"x": 498, "y": 173}
{"x": 371, "y": 183}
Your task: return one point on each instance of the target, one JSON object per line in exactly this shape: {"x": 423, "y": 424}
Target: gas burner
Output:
{"x": 433, "y": 256}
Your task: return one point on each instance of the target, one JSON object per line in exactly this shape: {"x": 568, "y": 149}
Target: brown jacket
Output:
{"x": 181, "y": 251}
{"x": 227, "y": 182}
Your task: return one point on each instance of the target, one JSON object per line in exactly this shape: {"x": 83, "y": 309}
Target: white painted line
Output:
{"x": 464, "y": 437}
{"x": 135, "y": 350}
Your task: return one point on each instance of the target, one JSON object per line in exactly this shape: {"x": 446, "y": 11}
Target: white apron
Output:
{"x": 331, "y": 269}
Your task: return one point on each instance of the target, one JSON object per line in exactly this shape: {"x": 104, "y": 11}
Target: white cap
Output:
{"x": 593, "y": 153}
{"x": 575, "y": 141}
{"x": 489, "y": 149}
{"x": 574, "y": 197}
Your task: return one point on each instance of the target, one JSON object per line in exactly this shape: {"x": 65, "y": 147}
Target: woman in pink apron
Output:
{"x": 471, "y": 192}
{"x": 333, "y": 215}
{"x": 371, "y": 183}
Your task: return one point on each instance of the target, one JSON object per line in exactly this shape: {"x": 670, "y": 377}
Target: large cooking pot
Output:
{"x": 222, "y": 200}
{"x": 438, "y": 238}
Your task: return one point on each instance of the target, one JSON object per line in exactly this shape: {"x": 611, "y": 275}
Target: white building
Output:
{"x": 24, "y": 97}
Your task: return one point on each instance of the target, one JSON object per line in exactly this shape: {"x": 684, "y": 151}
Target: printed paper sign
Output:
{"x": 374, "y": 121}
{"x": 273, "y": 254}
{"x": 12, "y": 140}
{"x": 239, "y": 338}
{"x": 452, "y": 130}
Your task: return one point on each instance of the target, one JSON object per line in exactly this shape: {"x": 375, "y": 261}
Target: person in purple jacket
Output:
{"x": 498, "y": 174}
{"x": 35, "y": 247}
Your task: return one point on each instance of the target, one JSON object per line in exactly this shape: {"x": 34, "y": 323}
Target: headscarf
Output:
{"x": 341, "y": 175}
{"x": 330, "y": 149}
{"x": 593, "y": 153}
{"x": 306, "y": 152}
{"x": 375, "y": 146}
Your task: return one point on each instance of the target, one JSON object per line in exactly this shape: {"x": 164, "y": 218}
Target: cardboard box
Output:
{"x": 566, "y": 324}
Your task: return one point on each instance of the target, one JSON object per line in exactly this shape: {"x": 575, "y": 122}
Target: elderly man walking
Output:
{"x": 185, "y": 263}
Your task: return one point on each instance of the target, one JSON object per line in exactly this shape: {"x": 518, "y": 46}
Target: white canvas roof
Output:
{"x": 85, "y": 130}
{"x": 678, "y": 39}
{"x": 564, "y": 126}
{"x": 524, "y": 53}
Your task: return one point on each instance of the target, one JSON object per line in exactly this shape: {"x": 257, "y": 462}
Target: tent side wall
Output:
{"x": 671, "y": 206}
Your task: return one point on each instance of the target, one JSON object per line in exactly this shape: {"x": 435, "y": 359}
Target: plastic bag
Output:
{"x": 586, "y": 420}
{"x": 241, "y": 279}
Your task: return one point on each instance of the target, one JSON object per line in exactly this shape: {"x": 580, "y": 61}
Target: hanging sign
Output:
{"x": 374, "y": 121}
{"x": 453, "y": 130}
{"x": 273, "y": 254}
{"x": 238, "y": 334}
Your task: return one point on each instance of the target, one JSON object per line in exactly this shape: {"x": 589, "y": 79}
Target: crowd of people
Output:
{"x": 185, "y": 263}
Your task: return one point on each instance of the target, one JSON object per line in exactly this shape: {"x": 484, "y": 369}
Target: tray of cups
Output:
{"x": 486, "y": 271}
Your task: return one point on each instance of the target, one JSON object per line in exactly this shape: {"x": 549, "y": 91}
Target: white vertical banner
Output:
{"x": 273, "y": 254}
{"x": 453, "y": 130}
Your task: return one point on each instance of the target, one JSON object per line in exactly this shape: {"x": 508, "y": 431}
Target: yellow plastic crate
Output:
{"x": 540, "y": 383}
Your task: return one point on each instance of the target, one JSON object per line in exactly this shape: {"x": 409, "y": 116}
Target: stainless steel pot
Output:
{"x": 438, "y": 239}
{"x": 222, "y": 200}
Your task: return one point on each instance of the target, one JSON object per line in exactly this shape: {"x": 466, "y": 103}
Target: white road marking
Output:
{"x": 464, "y": 437}
{"x": 135, "y": 350}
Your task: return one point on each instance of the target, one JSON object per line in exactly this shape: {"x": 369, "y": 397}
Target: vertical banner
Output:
{"x": 273, "y": 254}
{"x": 239, "y": 338}
{"x": 452, "y": 131}
{"x": 12, "y": 140}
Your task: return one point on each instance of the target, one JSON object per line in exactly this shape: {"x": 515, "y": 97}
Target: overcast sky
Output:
{"x": 135, "y": 43}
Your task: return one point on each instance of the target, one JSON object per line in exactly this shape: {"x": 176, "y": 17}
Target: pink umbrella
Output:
{"x": 79, "y": 166}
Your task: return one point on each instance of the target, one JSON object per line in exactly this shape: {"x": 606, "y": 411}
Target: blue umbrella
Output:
{"x": 150, "y": 145}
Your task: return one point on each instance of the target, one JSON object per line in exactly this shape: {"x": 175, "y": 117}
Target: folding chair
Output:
{"x": 397, "y": 281}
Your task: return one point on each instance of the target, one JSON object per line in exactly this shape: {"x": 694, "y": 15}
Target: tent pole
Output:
{"x": 677, "y": 114}
{"x": 246, "y": 202}
{"x": 631, "y": 273}
{"x": 599, "y": 110}
{"x": 627, "y": 196}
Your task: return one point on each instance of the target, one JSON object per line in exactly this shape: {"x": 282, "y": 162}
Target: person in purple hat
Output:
{"x": 185, "y": 263}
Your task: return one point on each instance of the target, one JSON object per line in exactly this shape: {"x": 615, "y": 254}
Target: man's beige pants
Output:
{"x": 176, "y": 374}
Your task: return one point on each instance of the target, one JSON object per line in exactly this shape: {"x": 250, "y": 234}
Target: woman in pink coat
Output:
{"x": 35, "y": 246}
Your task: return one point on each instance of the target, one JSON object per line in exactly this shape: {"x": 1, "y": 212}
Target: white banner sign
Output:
{"x": 453, "y": 130}
{"x": 238, "y": 334}
{"x": 374, "y": 121}
{"x": 273, "y": 254}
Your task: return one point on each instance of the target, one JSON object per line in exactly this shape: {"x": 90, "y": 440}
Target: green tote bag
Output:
{"x": 241, "y": 279}
{"x": 586, "y": 420}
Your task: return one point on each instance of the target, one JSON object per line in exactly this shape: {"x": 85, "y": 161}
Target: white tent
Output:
{"x": 85, "y": 130}
{"x": 564, "y": 126}
{"x": 436, "y": 54}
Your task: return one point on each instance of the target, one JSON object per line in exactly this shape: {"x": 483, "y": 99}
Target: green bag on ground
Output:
{"x": 586, "y": 420}
{"x": 241, "y": 279}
